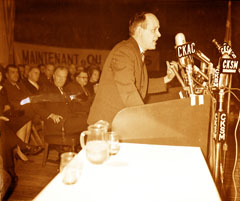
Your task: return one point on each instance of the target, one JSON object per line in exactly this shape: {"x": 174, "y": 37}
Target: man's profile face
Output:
{"x": 60, "y": 77}
{"x": 150, "y": 34}
{"x": 12, "y": 75}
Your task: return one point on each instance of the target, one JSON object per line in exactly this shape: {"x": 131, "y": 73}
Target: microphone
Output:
{"x": 176, "y": 73}
{"x": 196, "y": 69}
{"x": 223, "y": 78}
{"x": 225, "y": 49}
{"x": 202, "y": 57}
{"x": 184, "y": 50}
{"x": 227, "y": 53}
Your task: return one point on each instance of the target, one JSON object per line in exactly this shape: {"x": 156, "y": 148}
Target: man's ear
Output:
{"x": 138, "y": 30}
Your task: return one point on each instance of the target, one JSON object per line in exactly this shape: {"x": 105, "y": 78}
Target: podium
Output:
{"x": 174, "y": 122}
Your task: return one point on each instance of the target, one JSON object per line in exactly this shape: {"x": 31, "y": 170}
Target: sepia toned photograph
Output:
{"x": 119, "y": 100}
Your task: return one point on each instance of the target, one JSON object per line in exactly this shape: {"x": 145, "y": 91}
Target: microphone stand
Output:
{"x": 217, "y": 138}
{"x": 220, "y": 138}
{"x": 222, "y": 125}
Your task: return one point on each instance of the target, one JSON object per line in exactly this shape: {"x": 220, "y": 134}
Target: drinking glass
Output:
{"x": 68, "y": 171}
{"x": 113, "y": 141}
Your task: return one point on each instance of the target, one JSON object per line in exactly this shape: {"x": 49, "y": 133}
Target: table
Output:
{"x": 139, "y": 172}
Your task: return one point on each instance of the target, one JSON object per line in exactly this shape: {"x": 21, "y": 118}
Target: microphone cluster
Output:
{"x": 194, "y": 80}
{"x": 205, "y": 78}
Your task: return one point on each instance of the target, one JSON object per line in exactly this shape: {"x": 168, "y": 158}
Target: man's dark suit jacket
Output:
{"x": 44, "y": 82}
{"x": 81, "y": 101}
{"x": 16, "y": 94}
{"x": 72, "y": 122}
{"x": 19, "y": 114}
{"x": 32, "y": 89}
{"x": 124, "y": 82}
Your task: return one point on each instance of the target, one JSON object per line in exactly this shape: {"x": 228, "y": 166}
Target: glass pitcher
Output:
{"x": 94, "y": 142}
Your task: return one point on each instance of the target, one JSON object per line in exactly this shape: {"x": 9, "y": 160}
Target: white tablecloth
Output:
{"x": 139, "y": 172}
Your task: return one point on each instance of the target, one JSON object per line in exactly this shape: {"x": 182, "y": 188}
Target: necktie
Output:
{"x": 17, "y": 86}
{"x": 143, "y": 57}
{"x": 61, "y": 90}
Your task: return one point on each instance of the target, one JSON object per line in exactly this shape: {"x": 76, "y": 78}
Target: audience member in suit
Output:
{"x": 20, "y": 116}
{"x": 124, "y": 80}
{"x": 26, "y": 71}
{"x": 71, "y": 73}
{"x": 34, "y": 89}
{"x": 8, "y": 135}
{"x": 42, "y": 68}
{"x": 21, "y": 71}
{"x": 83, "y": 98}
{"x": 57, "y": 114}
{"x": 32, "y": 81}
{"x": 16, "y": 91}
{"x": 94, "y": 75}
{"x": 47, "y": 78}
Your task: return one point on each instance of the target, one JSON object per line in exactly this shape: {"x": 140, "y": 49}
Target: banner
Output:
{"x": 38, "y": 54}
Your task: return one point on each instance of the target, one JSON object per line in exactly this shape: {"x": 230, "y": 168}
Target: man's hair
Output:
{"x": 10, "y": 66}
{"x": 91, "y": 69}
{"x": 81, "y": 71}
{"x": 33, "y": 67}
{"x": 136, "y": 20}
{"x": 61, "y": 68}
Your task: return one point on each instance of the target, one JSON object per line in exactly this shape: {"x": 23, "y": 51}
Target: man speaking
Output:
{"x": 124, "y": 81}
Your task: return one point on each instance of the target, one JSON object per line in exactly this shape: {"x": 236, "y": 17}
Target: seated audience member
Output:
{"x": 94, "y": 76}
{"x": 16, "y": 91}
{"x": 20, "y": 116}
{"x": 32, "y": 81}
{"x": 34, "y": 89}
{"x": 47, "y": 78}
{"x": 71, "y": 73}
{"x": 83, "y": 98}
{"x": 42, "y": 68}
{"x": 12, "y": 120}
{"x": 26, "y": 71}
{"x": 56, "y": 113}
{"x": 21, "y": 71}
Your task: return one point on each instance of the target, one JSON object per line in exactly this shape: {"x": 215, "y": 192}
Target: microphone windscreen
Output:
{"x": 180, "y": 39}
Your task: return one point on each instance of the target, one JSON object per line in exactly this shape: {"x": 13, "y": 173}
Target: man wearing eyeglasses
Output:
{"x": 77, "y": 87}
